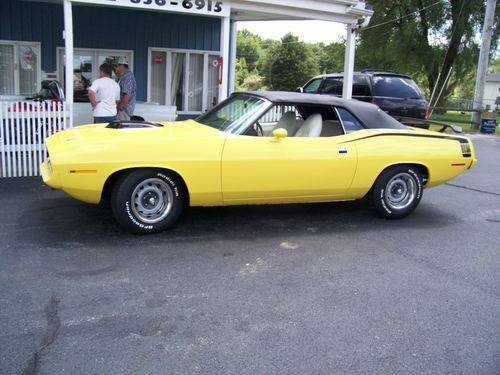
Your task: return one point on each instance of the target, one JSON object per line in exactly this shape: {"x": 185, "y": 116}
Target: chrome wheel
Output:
{"x": 152, "y": 200}
{"x": 400, "y": 191}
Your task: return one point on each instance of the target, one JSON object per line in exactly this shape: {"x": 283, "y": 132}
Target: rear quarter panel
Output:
{"x": 379, "y": 150}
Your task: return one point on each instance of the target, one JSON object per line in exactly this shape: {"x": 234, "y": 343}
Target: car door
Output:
{"x": 267, "y": 169}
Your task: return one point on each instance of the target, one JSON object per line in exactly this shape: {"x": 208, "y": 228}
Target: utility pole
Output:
{"x": 484, "y": 54}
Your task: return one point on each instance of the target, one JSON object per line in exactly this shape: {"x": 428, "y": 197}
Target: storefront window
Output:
{"x": 86, "y": 68}
{"x": 82, "y": 76}
{"x": 110, "y": 59}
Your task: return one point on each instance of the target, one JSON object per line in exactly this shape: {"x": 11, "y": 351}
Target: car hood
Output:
{"x": 100, "y": 133}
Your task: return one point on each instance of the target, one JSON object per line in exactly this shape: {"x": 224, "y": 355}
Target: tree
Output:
{"x": 289, "y": 64}
{"x": 248, "y": 46}
{"x": 330, "y": 58}
{"x": 253, "y": 82}
{"x": 426, "y": 39}
{"x": 241, "y": 72}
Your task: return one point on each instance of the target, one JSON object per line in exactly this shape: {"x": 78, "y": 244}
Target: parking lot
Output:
{"x": 293, "y": 289}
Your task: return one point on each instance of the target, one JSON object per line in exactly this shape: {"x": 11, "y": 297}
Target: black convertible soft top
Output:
{"x": 369, "y": 114}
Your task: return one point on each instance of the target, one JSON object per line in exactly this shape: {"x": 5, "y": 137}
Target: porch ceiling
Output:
{"x": 344, "y": 11}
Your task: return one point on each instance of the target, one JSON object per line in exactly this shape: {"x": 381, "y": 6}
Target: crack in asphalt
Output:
{"x": 472, "y": 189}
{"x": 53, "y": 325}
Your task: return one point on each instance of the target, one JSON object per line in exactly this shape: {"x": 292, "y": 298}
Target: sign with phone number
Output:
{"x": 203, "y": 7}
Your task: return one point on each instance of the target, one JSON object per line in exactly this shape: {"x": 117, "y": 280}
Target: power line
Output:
{"x": 400, "y": 18}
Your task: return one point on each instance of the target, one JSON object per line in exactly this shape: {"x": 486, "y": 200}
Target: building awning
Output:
{"x": 342, "y": 11}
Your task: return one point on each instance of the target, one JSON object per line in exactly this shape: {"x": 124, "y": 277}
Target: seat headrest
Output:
{"x": 311, "y": 127}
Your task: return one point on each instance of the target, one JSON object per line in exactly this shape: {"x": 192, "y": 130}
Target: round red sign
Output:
{"x": 28, "y": 55}
{"x": 158, "y": 59}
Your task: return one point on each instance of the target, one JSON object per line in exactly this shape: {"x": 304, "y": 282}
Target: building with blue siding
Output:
{"x": 181, "y": 52}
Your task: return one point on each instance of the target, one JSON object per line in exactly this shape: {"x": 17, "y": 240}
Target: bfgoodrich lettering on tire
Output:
{"x": 397, "y": 191}
{"x": 147, "y": 201}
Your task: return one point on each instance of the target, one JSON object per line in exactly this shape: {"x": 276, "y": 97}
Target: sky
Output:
{"x": 307, "y": 31}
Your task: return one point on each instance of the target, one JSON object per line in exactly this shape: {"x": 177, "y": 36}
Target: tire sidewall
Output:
{"x": 378, "y": 194}
{"x": 121, "y": 201}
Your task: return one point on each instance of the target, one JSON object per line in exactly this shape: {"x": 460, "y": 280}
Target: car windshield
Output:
{"x": 396, "y": 87}
{"x": 235, "y": 114}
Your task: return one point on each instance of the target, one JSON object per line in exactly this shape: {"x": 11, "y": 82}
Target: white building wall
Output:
{"x": 491, "y": 92}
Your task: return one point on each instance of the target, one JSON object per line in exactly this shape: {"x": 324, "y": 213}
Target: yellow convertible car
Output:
{"x": 254, "y": 148}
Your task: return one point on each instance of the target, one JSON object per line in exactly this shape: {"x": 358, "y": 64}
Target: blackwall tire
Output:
{"x": 397, "y": 191}
{"x": 147, "y": 201}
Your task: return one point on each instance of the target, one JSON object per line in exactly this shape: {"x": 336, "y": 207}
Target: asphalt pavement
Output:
{"x": 292, "y": 289}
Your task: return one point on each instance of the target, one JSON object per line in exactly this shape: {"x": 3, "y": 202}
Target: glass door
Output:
{"x": 213, "y": 82}
{"x": 158, "y": 83}
{"x": 188, "y": 80}
{"x": 195, "y": 83}
{"x": 28, "y": 62}
{"x": 177, "y": 80}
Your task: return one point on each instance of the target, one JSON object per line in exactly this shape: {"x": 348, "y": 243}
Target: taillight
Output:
{"x": 466, "y": 149}
{"x": 426, "y": 114}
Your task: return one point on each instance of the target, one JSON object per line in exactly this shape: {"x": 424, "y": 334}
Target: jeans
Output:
{"x": 99, "y": 120}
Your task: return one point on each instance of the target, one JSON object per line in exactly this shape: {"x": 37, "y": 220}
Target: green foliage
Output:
{"x": 241, "y": 72}
{"x": 249, "y": 47}
{"x": 329, "y": 58}
{"x": 494, "y": 66}
{"x": 289, "y": 64}
{"x": 427, "y": 44}
{"x": 253, "y": 82}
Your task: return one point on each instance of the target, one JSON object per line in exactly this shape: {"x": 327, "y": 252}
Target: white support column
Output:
{"x": 350, "y": 49}
{"x": 224, "y": 46}
{"x": 68, "y": 45}
{"x": 232, "y": 54}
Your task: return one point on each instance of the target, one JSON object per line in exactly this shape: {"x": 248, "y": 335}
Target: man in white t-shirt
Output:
{"x": 103, "y": 95}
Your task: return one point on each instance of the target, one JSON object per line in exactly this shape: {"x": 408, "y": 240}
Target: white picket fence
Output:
{"x": 24, "y": 125}
{"x": 275, "y": 113}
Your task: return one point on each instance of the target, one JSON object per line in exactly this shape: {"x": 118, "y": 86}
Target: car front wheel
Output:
{"x": 147, "y": 201}
{"x": 397, "y": 192}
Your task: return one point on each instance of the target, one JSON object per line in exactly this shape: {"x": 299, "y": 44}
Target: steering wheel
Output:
{"x": 259, "y": 129}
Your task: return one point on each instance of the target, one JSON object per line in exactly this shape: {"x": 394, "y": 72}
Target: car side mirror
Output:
{"x": 280, "y": 133}
{"x": 299, "y": 89}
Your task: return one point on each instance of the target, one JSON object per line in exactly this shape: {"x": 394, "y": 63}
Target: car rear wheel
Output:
{"x": 397, "y": 191}
{"x": 147, "y": 201}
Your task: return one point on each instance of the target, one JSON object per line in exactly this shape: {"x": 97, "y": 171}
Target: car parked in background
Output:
{"x": 396, "y": 94}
